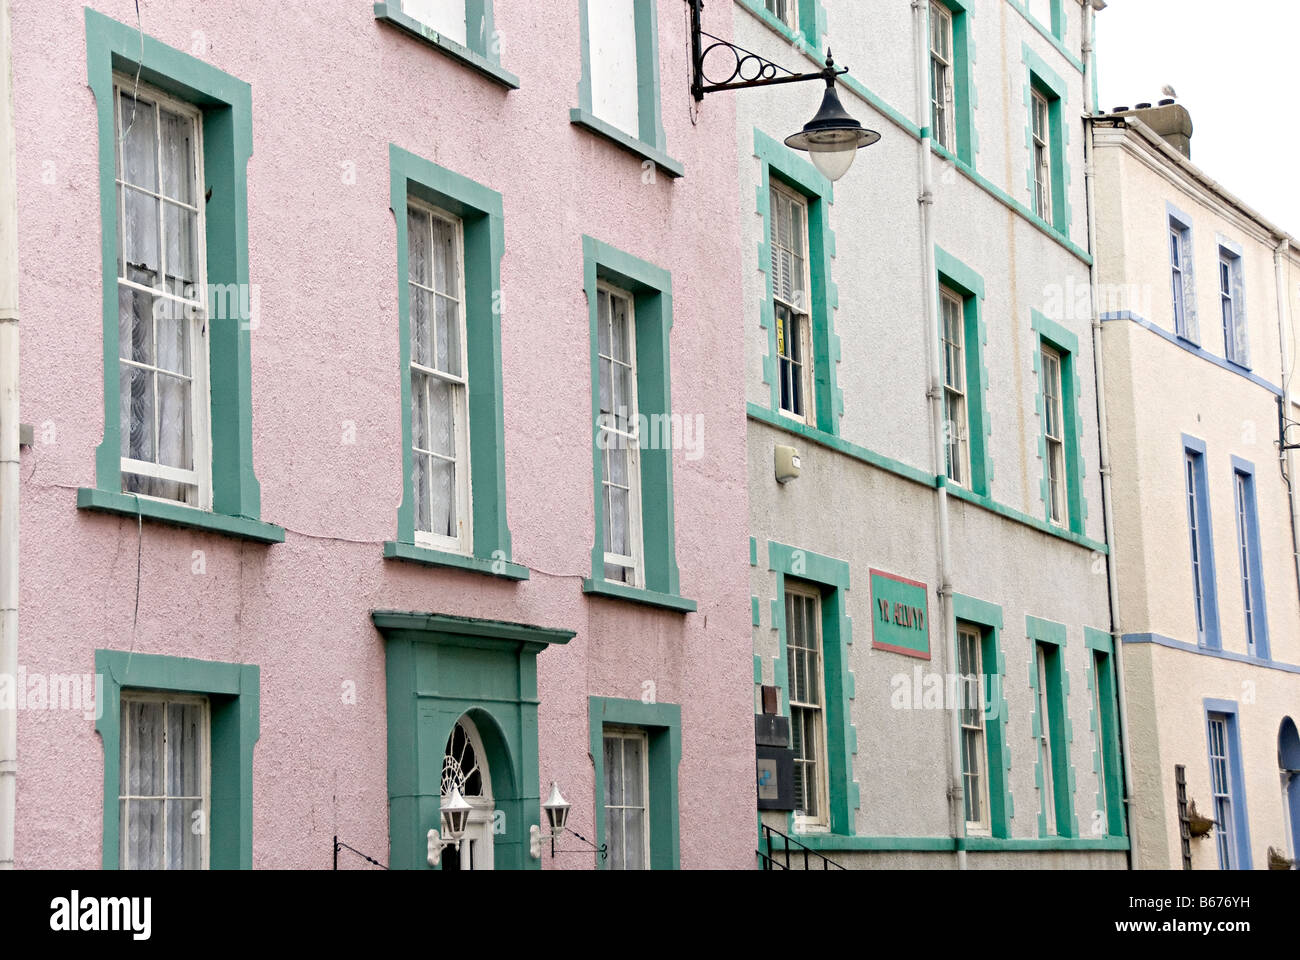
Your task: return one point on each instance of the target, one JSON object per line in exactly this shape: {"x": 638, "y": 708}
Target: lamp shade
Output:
{"x": 455, "y": 816}
{"x": 832, "y": 137}
{"x": 557, "y": 810}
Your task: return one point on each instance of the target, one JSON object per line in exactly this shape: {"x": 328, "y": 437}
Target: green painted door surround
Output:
{"x": 234, "y": 698}
{"x": 439, "y": 668}
{"x": 662, "y": 723}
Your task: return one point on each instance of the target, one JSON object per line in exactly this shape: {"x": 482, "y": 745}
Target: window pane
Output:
{"x": 140, "y": 237}
{"x": 613, "y": 771}
{"x": 137, "y": 131}
{"x": 134, "y": 325}
{"x": 634, "y": 839}
{"x": 175, "y": 442}
{"x": 443, "y": 504}
{"x": 417, "y": 247}
{"x": 442, "y": 397}
{"x": 180, "y": 228}
{"x": 177, "y": 134}
{"x": 142, "y": 835}
{"x": 137, "y": 413}
{"x": 184, "y": 844}
{"x": 421, "y": 326}
{"x": 185, "y": 749}
{"x": 448, "y": 335}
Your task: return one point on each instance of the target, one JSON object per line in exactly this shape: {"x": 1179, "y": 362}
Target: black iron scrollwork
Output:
{"x": 747, "y": 67}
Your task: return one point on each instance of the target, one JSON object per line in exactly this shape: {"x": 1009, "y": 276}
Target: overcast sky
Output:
{"x": 1235, "y": 67}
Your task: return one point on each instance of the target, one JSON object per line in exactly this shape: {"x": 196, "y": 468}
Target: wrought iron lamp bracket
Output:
{"x": 747, "y": 69}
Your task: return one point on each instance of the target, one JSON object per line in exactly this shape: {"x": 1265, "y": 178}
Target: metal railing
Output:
{"x": 779, "y": 858}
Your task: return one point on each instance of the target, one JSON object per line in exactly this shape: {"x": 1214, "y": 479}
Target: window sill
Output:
{"x": 394, "y": 550}
{"x": 589, "y": 121}
{"x": 665, "y": 601}
{"x": 391, "y": 13}
{"x": 126, "y": 504}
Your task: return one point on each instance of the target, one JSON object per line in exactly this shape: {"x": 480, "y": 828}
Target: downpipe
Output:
{"x": 1103, "y": 438}
{"x": 956, "y": 810}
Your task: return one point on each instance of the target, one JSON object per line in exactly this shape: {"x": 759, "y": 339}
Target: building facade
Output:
{"x": 932, "y": 649}
{"x": 1197, "y": 292}
{"x": 386, "y": 387}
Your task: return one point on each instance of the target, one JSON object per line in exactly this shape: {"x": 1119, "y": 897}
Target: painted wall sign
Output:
{"x": 900, "y": 615}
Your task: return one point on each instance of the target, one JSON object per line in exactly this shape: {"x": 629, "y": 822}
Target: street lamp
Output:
{"x": 455, "y": 817}
{"x": 832, "y": 137}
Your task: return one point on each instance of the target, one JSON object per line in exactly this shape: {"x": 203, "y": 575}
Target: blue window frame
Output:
{"x": 1251, "y": 557}
{"x": 1202, "y": 542}
{"x": 1227, "y": 785}
{"x": 1183, "y": 276}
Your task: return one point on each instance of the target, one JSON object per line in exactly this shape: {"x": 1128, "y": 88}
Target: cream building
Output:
{"x": 1195, "y": 295}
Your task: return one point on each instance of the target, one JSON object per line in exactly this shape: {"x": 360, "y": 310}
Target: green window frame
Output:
{"x": 225, "y": 103}
{"x": 988, "y": 618}
{"x": 969, "y": 285}
{"x": 651, "y": 289}
{"x": 481, "y": 51}
{"x": 1050, "y": 637}
{"x": 482, "y": 213}
{"x": 662, "y": 723}
{"x": 649, "y": 144}
{"x": 1104, "y": 722}
{"x": 831, "y": 578}
{"x": 1040, "y": 78}
{"x": 963, "y": 82}
{"x": 778, "y": 162}
{"x": 810, "y": 22}
{"x": 1051, "y": 334}
{"x": 1058, "y": 19}
{"x": 234, "y": 695}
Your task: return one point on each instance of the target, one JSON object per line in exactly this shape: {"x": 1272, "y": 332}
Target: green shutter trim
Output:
{"x": 963, "y": 87}
{"x": 1048, "y": 31}
{"x": 651, "y": 144}
{"x": 227, "y": 106}
{"x": 437, "y": 669}
{"x": 779, "y": 161}
{"x": 1066, "y": 343}
{"x": 837, "y": 635}
{"x": 812, "y": 23}
{"x": 989, "y": 617}
{"x": 965, "y": 281}
{"x": 753, "y": 552}
{"x": 481, "y": 211}
{"x": 1062, "y": 773}
{"x": 1101, "y": 647}
{"x": 663, "y": 725}
{"x": 1058, "y": 19}
{"x": 651, "y": 289}
{"x": 898, "y": 468}
{"x": 481, "y": 54}
{"x": 1041, "y": 77}
{"x": 234, "y": 694}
